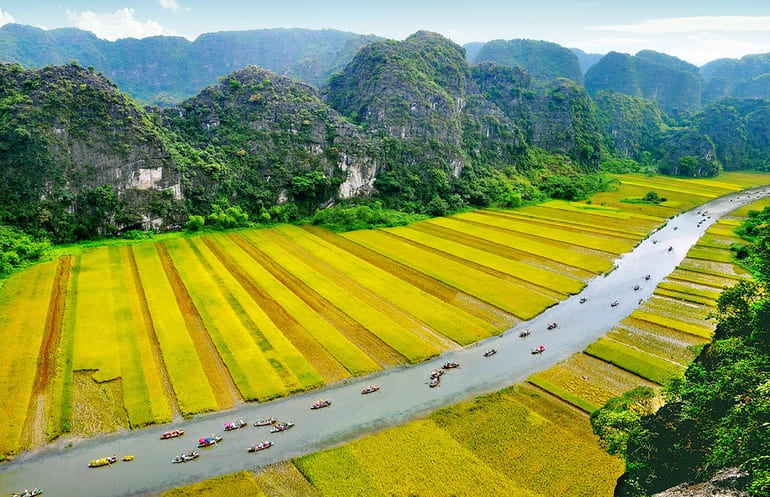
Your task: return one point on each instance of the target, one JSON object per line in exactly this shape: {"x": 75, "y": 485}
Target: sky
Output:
{"x": 695, "y": 30}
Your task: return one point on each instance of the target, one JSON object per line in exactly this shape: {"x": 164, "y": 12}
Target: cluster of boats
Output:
{"x": 370, "y": 389}
{"x": 436, "y": 374}
{"x": 171, "y": 434}
{"x": 235, "y": 425}
{"x": 28, "y": 493}
{"x": 320, "y": 404}
{"x": 189, "y": 456}
{"x": 107, "y": 461}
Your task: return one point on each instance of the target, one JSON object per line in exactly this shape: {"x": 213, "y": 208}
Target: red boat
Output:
{"x": 538, "y": 350}
{"x": 172, "y": 434}
{"x": 281, "y": 427}
{"x": 260, "y": 446}
{"x": 552, "y": 326}
{"x": 450, "y": 365}
{"x": 320, "y": 404}
{"x": 370, "y": 389}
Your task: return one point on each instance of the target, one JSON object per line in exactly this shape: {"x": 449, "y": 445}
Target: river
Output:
{"x": 62, "y": 471}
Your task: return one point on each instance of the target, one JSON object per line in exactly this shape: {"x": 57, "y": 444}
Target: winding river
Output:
{"x": 62, "y": 471}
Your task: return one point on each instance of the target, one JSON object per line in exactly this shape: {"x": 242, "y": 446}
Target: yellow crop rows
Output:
{"x": 23, "y": 304}
{"x": 184, "y": 368}
{"x": 460, "y": 326}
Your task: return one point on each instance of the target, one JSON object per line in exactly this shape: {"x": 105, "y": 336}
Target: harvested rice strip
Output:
{"x": 257, "y": 378}
{"x": 96, "y": 345}
{"x": 595, "y": 263}
{"x": 187, "y": 374}
{"x": 326, "y": 349}
{"x": 503, "y": 294}
{"x": 604, "y": 243}
{"x": 686, "y": 311}
{"x": 354, "y": 286}
{"x": 567, "y": 396}
{"x": 674, "y": 324}
{"x": 535, "y": 440}
{"x": 22, "y": 297}
{"x": 448, "y": 320}
{"x": 686, "y": 297}
{"x": 555, "y": 282}
{"x": 284, "y": 480}
{"x": 497, "y": 318}
{"x": 420, "y": 457}
{"x": 649, "y": 366}
{"x": 389, "y": 331}
{"x": 668, "y": 346}
{"x": 503, "y": 251}
{"x": 691, "y": 288}
{"x": 353, "y": 331}
{"x": 726, "y": 270}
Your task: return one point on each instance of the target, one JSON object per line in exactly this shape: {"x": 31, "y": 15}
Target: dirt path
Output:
{"x": 152, "y": 336}
{"x": 35, "y": 426}
{"x": 222, "y": 384}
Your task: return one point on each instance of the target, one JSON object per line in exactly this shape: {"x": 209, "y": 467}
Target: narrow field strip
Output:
{"x": 710, "y": 254}
{"x": 368, "y": 343}
{"x": 497, "y": 318}
{"x": 500, "y": 250}
{"x": 723, "y": 269}
{"x": 163, "y": 401}
{"x": 685, "y": 297}
{"x": 560, "y": 284}
{"x": 128, "y": 327}
{"x": 23, "y": 325}
{"x": 678, "y": 309}
{"x": 452, "y": 322}
{"x": 648, "y": 366}
{"x": 593, "y": 212}
{"x": 190, "y": 382}
{"x": 327, "y": 350}
{"x": 353, "y": 285}
{"x": 412, "y": 347}
{"x": 708, "y": 186}
{"x": 498, "y": 292}
{"x": 613, "y": 245}
{"x": 711, "y": 280}
{"x": 36, "y": 429}
{"x": 674, "y": 324}
{"x": 253, "y": 374}
{"x": 595, "y": 263}
{"x": 533, "y": 439}
{"x": 557, "y": 391}
{"x": 569, "y": 225}
{"x": 690, "y": 288}
{"x": 666, "y": 189}
{"x": 94, "y": 332}
{"x": 284, "y": 480}
{"x": 665, "y": 345}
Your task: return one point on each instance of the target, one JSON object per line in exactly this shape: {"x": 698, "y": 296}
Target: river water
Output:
{"x": 62, "y": 471}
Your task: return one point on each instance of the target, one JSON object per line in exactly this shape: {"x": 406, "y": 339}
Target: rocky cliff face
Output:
{"x": 730, "y": 482}
{"x": 75, "y": 146}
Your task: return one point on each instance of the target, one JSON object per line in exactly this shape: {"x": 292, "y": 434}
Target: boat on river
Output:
{"x": 524, "y": 333}
{"x": 235, "y": 425}
{"x": 370, "y": 389}
{"x": 320, "y": 404}
{"x": 193, "y": 454}
{"x": 490, "y": 352}
{"x": 614, "y": 303}
{"x": 104, "y": 461}
{"x": 434, "y": 382}
{"x": 265, "y": 422}
{"x": 552, "y": 326}
{"x": 28, "y": 493}
{"x": 172, "y": 434}
{"x": 538, "y": 350}
{"x": 209, "y": 441}
{"x": 260, "y": 446}
{"x": 281, "y": 427}
{"x": 450, "y": 365}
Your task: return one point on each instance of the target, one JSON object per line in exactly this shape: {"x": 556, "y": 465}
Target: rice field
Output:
{"x": 200, "y": 323}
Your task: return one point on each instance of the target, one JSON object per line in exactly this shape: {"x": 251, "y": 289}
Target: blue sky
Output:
{"x": 695, "y": 30}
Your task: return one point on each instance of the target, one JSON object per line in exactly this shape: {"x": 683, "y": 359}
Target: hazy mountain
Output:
{"x": 586, "y": 59}
{"x": 743, "y": 78}
{"x": 163, "y": 68}
{"x": 472, "y": 50}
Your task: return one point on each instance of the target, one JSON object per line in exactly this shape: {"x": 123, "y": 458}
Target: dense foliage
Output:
{"x": 543, "y": 60}
{"x": 718, "y": 415}
{"x": 18, "y": 248}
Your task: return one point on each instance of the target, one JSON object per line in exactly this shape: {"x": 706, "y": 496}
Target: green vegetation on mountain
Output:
{"x": 542, "y": 59}
{"x": 717, "y": 416}
{"x": 740, "y": 78}
{"x": 167, "y": 69}
{"x": 630, "y": 126}
{"x": 673, "y": 83}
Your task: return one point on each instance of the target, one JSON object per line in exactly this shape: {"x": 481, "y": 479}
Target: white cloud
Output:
{"x": 692, "y": 25}
{"x": 6, "y": 18}
{"x": 119, "y": 24}
{"x": 172, "y": 5}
